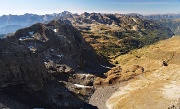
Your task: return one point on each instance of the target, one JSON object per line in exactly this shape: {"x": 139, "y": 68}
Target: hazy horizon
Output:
{"x": 93, "y": 12}
{"x": 41, "y": 7}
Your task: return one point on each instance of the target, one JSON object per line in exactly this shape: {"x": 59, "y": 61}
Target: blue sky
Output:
{"x": 79, "y": 6}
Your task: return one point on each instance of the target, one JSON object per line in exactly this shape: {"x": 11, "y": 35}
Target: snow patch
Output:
{"x": 105, "y": 66}
{"x": 51, "y": 50}
{"x": 31, "y": 33}
{"x": 82, "y": 86}
{"x": 26, "y": 38}
{"x": 55, "y": 30}
{"x": 32, "y": 48}
{"x": 60, "y": 55}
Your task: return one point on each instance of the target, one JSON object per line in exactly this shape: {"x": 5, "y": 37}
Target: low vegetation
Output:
{"x": 114, "y": 34}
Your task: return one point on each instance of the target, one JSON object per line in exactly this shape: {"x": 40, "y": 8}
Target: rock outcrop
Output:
{"x": 118, "y": 75}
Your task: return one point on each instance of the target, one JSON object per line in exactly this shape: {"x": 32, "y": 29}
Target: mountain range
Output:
{"x": 168, "y": 20}
{"x": 105, "y": 32}
{"x": 15, "y": 22}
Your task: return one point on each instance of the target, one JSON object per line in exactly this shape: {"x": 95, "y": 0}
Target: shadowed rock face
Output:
{"x": 24, "y": 55}
{"x": 18, "y": 65}
{"x": 61, "y": 45}
{"x": 35, "y": 59}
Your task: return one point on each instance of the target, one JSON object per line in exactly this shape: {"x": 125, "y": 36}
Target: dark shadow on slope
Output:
{"x": 53, "y": 95}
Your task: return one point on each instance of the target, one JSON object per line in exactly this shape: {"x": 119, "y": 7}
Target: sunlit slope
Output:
{"x": 158, "y": 86}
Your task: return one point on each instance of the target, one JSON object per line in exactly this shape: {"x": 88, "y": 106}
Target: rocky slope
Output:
{"x": 115, "y": 34}
{"x": 162, "y": 16}
{"x": 157, "y": 86}
{"x": 9, "y": 29}
{"x": 170, "y": 21}
{"x": 156, "y": 16}
{"x": 2, "y": 35}
{"x": 173, "y": 24}
{"x": 41, "y": 66}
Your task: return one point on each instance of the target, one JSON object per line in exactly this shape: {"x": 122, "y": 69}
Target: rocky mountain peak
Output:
{"x": 65, "y": 13}
{"x": 44, "y": 57}
{"x": 53, "y": 45}
{"x": 85, "y": 14}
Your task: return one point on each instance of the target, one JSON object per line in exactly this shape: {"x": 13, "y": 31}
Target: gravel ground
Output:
{"x": 102, "y": 94}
